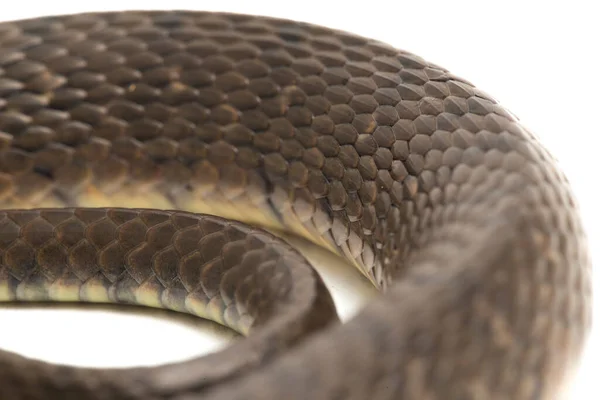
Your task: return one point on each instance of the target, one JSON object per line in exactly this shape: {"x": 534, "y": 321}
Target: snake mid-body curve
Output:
{"x": 135, "y": 145}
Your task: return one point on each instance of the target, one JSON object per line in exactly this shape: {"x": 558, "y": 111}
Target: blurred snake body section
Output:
{"x": 136, "y": 146}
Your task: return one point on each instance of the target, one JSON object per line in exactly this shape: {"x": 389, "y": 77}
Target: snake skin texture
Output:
{"x": 136, "y": 146}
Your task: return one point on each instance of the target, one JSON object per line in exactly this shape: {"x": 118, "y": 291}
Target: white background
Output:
{"x": 540, "y": 59}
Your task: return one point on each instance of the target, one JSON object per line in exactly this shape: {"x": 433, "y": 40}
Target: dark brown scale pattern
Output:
{"x": 181, "y": 256}
{"x": 179, "y": 261}
{"x": 426, "y": 183}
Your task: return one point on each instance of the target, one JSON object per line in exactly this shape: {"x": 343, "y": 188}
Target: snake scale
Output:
{"x": 152, "y": 158}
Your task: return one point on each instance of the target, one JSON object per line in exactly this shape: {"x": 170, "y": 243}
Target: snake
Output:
{"x": 158, "y": 158}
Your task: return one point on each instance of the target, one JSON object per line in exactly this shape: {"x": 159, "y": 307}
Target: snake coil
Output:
{"x": 135, "y": 147}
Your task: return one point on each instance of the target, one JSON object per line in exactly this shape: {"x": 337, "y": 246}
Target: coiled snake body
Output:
{"x": 419, "y": 179}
